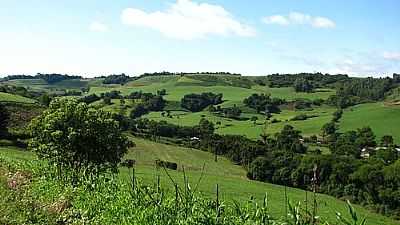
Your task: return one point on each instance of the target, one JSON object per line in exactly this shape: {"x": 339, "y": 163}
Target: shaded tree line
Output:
{"x": 117, "y": 79}
{"x": 49, "y": 78}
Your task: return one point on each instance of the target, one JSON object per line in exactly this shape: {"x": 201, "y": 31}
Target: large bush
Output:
{"x": 74, "y": 136}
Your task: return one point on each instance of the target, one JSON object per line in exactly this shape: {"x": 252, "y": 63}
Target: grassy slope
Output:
{"x": 231, "y": 179}
{"x": 6, "y": 97}
{"x": 384, "y": 120}
{"x": 229, "y": 126}
{"x": 41, "y": 85}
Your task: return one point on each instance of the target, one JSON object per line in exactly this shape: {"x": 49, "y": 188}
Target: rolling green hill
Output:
{"x": 231, "y": 179}
{"x": 384, "y": 119}
{"x": 6, "y": 97}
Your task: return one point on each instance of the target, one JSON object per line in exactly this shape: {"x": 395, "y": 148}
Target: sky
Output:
{"x": 257, "y": 37}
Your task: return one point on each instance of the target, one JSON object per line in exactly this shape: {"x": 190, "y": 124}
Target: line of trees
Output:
{"x": 49, "y": 78}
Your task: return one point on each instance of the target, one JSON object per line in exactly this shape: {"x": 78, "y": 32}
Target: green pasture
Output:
{"x": 383, "y": 119}
{"x": 6, "y": 97}
{"x": 233, "y": 185}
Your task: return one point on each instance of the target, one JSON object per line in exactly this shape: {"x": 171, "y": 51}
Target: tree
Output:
{"x": 254, "y": 119}
{"x": 198, "y": 102}
{"x": 289, "y": 139}
{"x": 138, "y": 111}
{"x": 329, "y": 129}
{"x": 263, "y": 103}
{"x": 107, "y": 100}
{"x": 122, "y": 101}
{"x": 205, "y": 127}
{"x": 4, "y": 118}
{"x": 117, "y": 79}
{"x": 337, "y": 115}
{"x": 232, "y": 112}
{"x": 366, "y": 137}
{"x": 45, "y": 99}
{"x": 261, "y": 169}
{"x": 303, "y": 85}
{"x": 75, "y": 137}
{"x": 387, "y": 141}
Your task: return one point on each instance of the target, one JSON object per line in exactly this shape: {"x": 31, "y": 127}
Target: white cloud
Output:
{"x": 361, "y": 68}
{"x": 188, "y": 20}
{"x": 296, "y": 18}
{"x": 392, "y": 56}
{"x": 277, "y": 19}
{"x": 98, "y": 27}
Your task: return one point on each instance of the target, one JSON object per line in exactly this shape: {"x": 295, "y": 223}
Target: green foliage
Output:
{"x": 261, "y": 169}
{"x": 232, "y": 112}
{"x": 4, "y": 118}
{"x": 198, "y": 102}
{"x": 289, "y": 140}
{"x": 337, "y": 115}
{"x": 116, "y": 79}
{"x": 263, "y": 103}
{"x": 75, "y": 136}
{"x": 303, "y": 85}
{"x": 45, "y": 99}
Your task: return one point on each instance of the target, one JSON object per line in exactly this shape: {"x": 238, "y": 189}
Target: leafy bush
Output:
{"x": 74, "y": 136}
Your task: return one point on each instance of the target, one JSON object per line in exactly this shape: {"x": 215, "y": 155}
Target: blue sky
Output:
{"x": 258, "y": 37}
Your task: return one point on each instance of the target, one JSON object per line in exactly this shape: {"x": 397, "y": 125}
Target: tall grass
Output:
{"x": 108, "y": 200}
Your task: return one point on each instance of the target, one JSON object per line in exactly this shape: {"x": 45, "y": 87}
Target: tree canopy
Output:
{"x": 74, "y": 136}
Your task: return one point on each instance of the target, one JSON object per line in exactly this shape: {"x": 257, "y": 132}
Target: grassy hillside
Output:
{"x": 6, "y": 97}
{"x": 239, "y": 127}
{"x": 383, "y": 119}
{"x": 41, "y": 85}
{"x": 231, "y": 179}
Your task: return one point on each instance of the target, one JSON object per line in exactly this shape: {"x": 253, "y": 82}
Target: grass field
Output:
{"x": 239, "y": 127}
{"x": 6, "y": 97}
{"x": 41, "y": 85}
{"x": 383, "y": 119}
{"x": 231, "y": 179}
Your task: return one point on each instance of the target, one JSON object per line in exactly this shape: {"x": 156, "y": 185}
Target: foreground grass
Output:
{"x": 230, "y": 178}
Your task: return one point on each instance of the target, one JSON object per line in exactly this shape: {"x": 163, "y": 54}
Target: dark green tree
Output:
{"x": 387, "y": 141}
{"x": 138, "y": 111}
{"x": 45, "y": 99}
{"x": 303, "y": 85}
{"x": 261, "y": 169}
{"x": 4, "y": 118}
{"x": 76, "y": 137}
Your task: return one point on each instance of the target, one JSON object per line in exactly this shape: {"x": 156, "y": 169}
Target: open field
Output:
{"x": 246, "y": 127}
{"x": 41, "y": 85}
{"x": 6, "y": 97}
{"x": 231, "y": 179}
{"x": 384, "y": 120}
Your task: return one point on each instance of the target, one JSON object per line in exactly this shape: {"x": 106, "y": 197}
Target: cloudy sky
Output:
{"x": 257, "y": 37}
